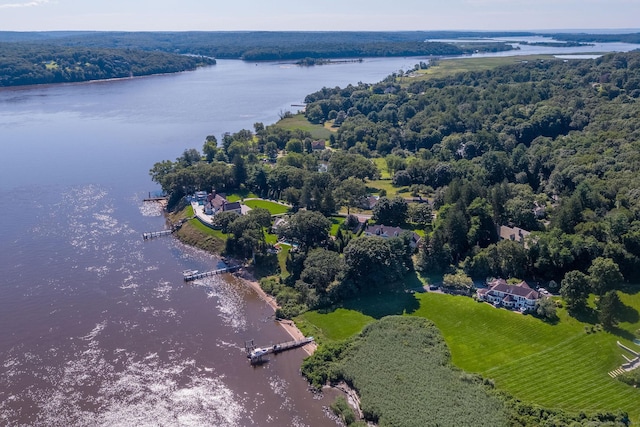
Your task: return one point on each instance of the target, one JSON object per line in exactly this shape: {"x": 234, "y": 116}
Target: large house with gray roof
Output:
{"x": 519, "y": 296}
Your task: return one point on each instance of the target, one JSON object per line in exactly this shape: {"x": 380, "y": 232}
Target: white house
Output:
{"x": 519, "y": 296}
{"x": 386, "y": 231}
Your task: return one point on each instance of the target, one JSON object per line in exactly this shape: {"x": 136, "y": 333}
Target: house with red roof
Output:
{"x": 500, "y": 293}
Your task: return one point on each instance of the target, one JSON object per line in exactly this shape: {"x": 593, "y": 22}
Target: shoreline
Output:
{"x": 288, "y": 325}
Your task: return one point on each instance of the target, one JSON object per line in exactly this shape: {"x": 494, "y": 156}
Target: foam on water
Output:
{"x": 230, "y": 302}
{"x": 98, "y": 388}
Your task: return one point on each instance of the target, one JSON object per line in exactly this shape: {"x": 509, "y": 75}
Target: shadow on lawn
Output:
{"x": 586, "y": 315}
{"x": 384, "y": 304}
{"x": 628, "y": 314}
{"x": 622, "y": 333}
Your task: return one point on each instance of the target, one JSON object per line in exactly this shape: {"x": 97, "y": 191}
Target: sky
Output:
{"x": 350, "y": 15}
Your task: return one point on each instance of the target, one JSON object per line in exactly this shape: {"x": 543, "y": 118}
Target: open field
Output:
{"x": 299, "y": 121}
{"x": 557, "y": 366}
{"x": 446, "y": 67}
{"x": 273, "y": 207}
{"x": 387, "y": 185}
{"x": 554, "y": 365}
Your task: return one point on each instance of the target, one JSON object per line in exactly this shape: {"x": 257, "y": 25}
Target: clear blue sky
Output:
{"x": 179, "y": 15}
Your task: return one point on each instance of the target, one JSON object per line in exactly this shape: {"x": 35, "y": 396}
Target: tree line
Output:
{"x": 262, "y": 45}
{"x": 28, "y": 63}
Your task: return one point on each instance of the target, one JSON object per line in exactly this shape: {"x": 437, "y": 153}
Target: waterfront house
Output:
{"x": 217, "y": 203}
{"x": 500, "y": 293}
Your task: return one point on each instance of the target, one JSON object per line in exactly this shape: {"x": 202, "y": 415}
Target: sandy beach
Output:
{"x": 288, "y": 325}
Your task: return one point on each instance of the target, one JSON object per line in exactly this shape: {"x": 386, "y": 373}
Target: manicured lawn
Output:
{"x": 336, "y": 222}
{"x": 338, "y": 325}
{"x": 234, "y": 197}
{"x": 558, "y": 366}
{"x": 554, "y": 365}
{"x": 273, "y": 207}
{"x": 299, "y": 121}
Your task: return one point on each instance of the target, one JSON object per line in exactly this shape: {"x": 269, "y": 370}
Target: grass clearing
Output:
{"x": 381, "y": 164}
{"x": 282, "y": 260}
{"x": 299, "y": 121}
{"x": 387, "y": 185}
{"x": 273, "y": 207}
{"x": 554, "y": 365}
{"x": 447, "y": 67}
{"x": 336, "y": 223}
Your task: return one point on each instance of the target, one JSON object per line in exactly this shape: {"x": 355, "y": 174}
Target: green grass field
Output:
{"x": 554, "y": 365}
{"x": 234, "y": 197}
{"x": 273, "y": 207}
{"x": 299, "y": 121}
{"x": 282, "y": 260}
{"x": 448, "y": 67}
{"x": 387, "y": 185}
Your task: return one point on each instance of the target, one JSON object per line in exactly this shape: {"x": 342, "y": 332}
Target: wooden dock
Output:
{"x": 256, "y": 354}
{"x": 190, "y": 276}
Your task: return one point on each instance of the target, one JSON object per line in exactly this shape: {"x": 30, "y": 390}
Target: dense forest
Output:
{"x": 548, "y": 146}
{"x": 27, "y": 64}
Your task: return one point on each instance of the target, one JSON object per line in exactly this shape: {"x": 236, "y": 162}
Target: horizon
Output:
{"x": 550, "y": 31}
{"x": 332, "y": 15}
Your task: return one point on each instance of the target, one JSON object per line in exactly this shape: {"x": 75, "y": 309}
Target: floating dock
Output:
{"x": 256, "y": 354}
{"x": 190, "y": 275}
{"x": 154, "y": 234}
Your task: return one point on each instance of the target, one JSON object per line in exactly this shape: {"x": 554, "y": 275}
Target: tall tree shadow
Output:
{"x": 628, "y": 314}
{"x": 384, "y": 304}
{"x": 622, "y": 333}
{"x": 586, "y": 315}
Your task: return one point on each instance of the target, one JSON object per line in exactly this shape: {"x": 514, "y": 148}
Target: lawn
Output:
{"x": 336, "y": 222}
{"x": 282, "y": 260}
{"x": 554, "y": 365}
{"x": 239, "y": 195}
{"x": 273, "y": 207}
{"x": 299, "y": 121}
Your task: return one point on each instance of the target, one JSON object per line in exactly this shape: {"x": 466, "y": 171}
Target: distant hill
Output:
{"x": 266, "y": 45}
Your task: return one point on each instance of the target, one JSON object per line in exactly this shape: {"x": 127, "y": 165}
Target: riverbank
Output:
{"x": 288, "y": 325}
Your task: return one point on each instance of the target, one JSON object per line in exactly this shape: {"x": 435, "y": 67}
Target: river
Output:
{"x": 96, "y": 325}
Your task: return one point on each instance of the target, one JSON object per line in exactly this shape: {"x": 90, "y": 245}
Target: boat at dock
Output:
{"x": 256, "y": 354}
